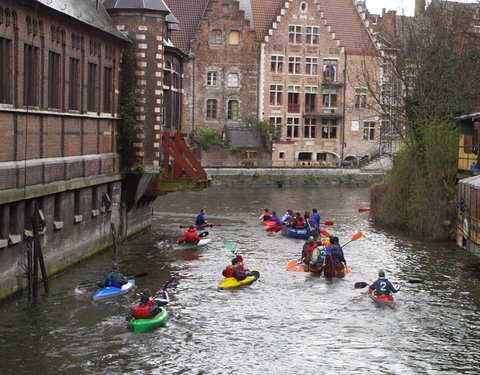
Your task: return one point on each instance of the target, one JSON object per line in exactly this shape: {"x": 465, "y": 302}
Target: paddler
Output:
{"x": 148, "y": 307}
{"x": 190, "y": 236}
{"x": 336, "y": 252}
{"x": 275, "y": 218}
{"x": 236, "y": 269}
{"x": 383, "y": 286}
{"x": 265, "y": 216}
{"x": 113, "y": 278}
{"x": 201, "y": 221}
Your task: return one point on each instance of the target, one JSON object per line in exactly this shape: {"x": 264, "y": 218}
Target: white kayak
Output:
{"x": 192, "y": 246}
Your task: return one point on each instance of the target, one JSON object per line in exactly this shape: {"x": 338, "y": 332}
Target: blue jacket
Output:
{"x": 383, "y": 286}
{"x": 200, "y": 219}
{"x": 315, "y": 220}
{"x": 276, "y": 219}
{"x": 337, "y": 253}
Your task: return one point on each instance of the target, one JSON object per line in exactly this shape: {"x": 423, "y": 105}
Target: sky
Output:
{"x": 403, "y": 7}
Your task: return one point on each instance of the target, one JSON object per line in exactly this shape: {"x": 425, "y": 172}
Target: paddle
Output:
{"x": 203, "y": 234}
{"x": 229, "y": 246}
{"x": 201, "y": 226}
{"x": 89, "y": 284}
{"x": 355, "y": 237}
{"x": 362, "y": 284}
{"x": 168, "y": 283}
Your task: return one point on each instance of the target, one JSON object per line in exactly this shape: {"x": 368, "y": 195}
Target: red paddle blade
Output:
{"x": 329, "y": 223}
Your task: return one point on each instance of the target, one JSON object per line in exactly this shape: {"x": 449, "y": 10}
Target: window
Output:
{"x": 294, "y": 99}
{"x": 304, "y": 156}
{"x": 360, "y": 98}
{"x": 329, "y": 97}
{"x": 277, "y": 123}
{"x": 107, "y": 89}
{"x": 310, "y": 128}
{"x": 295, "y": 34}
{"x": 234, "y": 38}
{"x": 329, "y": 128}
{"x": 311, "y": 98}
{"x": 30, "y": 81}
{"x": 294, "y": 64}
{"x": 232, "y": 110}
{"x": 330, "y": 70}
{"x": 212, "y": 78}
{"x": 293, "y": 127}
{"x": 276, "y": 94}
{"x": 225, "y": 8}
{"x": 54, "y": 80}
{"x": 92, "y": 88}
{"x": 232, "y": 80}
{"x": 369, "y": 130}
{"x": 312, "y": 35}
{"x": 211, "y": 109}
{"x": 216, "y": 36}
{"x": 281, "y": 155}
{"x": 276, "y": 64}
{"x": 311, "y": 65}
{"x": 5, "y": 71}
{"x": 74, "y": 87}
{"x": 303, "y": 7}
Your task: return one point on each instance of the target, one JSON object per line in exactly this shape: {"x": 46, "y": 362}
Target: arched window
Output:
{"x": 216, "y": 36}
{"x": 212, "y": 78}
{"x": 232, "y": 80}
{"x": 234, "y": 38}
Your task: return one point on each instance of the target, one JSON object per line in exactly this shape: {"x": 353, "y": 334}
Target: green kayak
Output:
{"x": 147, "y": 325}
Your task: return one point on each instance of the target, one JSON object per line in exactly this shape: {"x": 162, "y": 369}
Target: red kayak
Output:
{"x": 363, "y": 209}
{"x": 383, "y": 299}
{"x": 269, "y": 223}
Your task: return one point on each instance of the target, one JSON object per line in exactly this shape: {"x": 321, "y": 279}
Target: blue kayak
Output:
{"x": 110, "y": 291}
{"x": 296, "y": 233}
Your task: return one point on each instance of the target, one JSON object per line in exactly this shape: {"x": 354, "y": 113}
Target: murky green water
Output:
{"x": 285, "y": 323}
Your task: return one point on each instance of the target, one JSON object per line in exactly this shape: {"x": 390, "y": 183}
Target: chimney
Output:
{"x": 419, "y": 8}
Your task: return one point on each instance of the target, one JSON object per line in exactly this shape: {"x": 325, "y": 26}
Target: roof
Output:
{"x": 471, "y": 116}
{"x": 244, "y": 137}
{"x": 188, "y": 14}
{"x": 246, "y": 6}
{"x": 347, "y": 25}
{"x": 471, "y": 181}
{"x": 87, "y": 12}
{"x": 264, "y": 13}
{"x": 157, "y": 5}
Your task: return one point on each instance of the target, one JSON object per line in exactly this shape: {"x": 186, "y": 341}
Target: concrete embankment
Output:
{"x": 294, "y": 176}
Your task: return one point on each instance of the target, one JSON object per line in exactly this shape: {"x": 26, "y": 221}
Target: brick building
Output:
{"x": 59, "y": 73}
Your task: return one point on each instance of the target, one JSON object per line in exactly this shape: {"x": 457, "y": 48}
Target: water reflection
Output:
{"x": 285, "y": 323}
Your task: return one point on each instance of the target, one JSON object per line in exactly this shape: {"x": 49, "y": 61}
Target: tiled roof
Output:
{"x": 264, "y": 13}
{"x": 189, "y": 14}
{"x": 85, "y": 11}
{"x": 244, "y": 137}
{"x": 347, "y": 25}
{"x": 136, "y": 4}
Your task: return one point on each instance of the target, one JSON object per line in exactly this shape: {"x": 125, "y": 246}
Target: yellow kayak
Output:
{"x": 231, "y": 282}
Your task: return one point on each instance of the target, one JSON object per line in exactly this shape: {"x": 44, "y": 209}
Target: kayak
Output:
{"x": 269, "y": 223}
{"x": 301, "y": 233}
{"x": 382, "y": 299}
{"x": 363, "y": 209}
{"x": 147, "y": 325}
{"x": 192, "y": 246}
{"x": 231, "y": 282}
{"x": 111, "y": 292}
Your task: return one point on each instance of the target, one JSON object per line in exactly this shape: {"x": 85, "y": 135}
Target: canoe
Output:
{"x": 382, "y": 299}
{"x": 231, "y": 282}
{"x": 147, "y": 325}
{"x": 300, "y": 233}
{"x": 192, "y": 246}
{"x": 111, "y": 292}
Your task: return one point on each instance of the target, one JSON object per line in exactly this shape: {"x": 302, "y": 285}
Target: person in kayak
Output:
{"x": 275, "y": 218}
{"x": 113, "y": 278}
{"x": 383, "y": 286}
{"x": 190, "y": 236}
{"x": 310, "y": 241}
{"x": 336, "y": 252}
{"x": 241, "y": 265}
{"x": 234, "y": 270}
{"x": 265, "y": 216}
{"x": 297, "y": 222}
{"x": 288, "y": 215}
{"x": 148, "y": 307}
{"x": 201, "y": 219}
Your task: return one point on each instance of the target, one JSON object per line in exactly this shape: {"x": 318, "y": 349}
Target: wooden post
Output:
{"x": 114, "y": 237}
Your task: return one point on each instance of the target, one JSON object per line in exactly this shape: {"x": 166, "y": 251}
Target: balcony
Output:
{"x": 328, "y": 82}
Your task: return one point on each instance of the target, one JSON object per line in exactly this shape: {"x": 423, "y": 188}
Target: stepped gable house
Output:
{"x": 59, "y": 69}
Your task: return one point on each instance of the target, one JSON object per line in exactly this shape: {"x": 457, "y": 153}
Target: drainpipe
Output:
{"x": 193, "y": 90}
{"x": 261, "y": 81}
{"x": 344, "y": 105}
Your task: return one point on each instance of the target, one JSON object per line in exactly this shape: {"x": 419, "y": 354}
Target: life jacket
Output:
{"x": 229, "y": 271}
{"x": 318, "y": 255}
{"x": 192, "y": 236}
{"x": 266, "y": 215}
{"x": 142, "y": 312}
{"x": 309, "y": 251}
{"x": 299, "y": 222}
{"x": 112, "y": 283}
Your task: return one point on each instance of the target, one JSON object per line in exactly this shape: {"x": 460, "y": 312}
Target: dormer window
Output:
{"x": 216, "y": 36}
{"x": 234, "y": 38}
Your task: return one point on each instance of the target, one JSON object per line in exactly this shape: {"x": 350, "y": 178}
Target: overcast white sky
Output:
{"x": 405, "y": 7}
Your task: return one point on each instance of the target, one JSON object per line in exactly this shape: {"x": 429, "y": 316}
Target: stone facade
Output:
{"x": 58, "y": 121}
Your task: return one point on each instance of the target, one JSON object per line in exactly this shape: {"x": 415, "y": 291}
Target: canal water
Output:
{"x": 285, "y": 323}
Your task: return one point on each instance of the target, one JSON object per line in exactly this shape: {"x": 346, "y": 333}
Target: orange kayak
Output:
{"x": 383, "y": 299}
